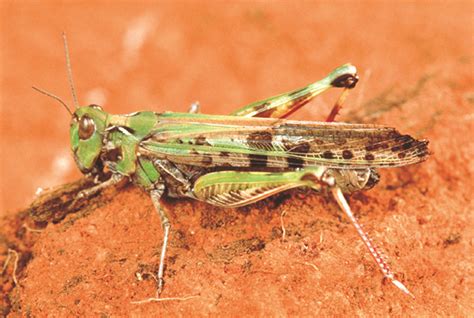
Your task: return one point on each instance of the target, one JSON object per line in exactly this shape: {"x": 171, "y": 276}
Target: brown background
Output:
{"x": 415, "y": 64}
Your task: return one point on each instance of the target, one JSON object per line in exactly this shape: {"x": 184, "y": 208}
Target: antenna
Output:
{"x": 54, "y": 97}
{"x": 69, "y": 72}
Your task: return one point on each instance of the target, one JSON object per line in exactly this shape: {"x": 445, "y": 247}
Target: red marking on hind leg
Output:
{"x": 334, "y": 112}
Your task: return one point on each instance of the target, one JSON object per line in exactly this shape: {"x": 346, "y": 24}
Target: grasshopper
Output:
{"x": 235, "y": 160}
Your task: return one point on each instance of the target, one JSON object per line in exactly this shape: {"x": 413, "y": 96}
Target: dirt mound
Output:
{"x": 416, "y": 69}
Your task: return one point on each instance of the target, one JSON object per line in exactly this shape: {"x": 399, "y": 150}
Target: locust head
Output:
{"x": 86, "y": 134}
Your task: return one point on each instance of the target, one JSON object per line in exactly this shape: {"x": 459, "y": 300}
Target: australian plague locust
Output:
{"x": 238, "y": 159}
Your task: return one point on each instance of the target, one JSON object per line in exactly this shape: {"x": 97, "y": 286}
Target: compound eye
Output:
{"x": 86, "y": 127}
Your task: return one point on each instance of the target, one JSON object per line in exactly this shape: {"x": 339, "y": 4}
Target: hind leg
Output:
{"x": 234, "y": 189}
{"x": 285, "y": 104}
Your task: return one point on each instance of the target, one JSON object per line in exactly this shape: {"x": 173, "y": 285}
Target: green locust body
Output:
{"x": 235, "y": 160}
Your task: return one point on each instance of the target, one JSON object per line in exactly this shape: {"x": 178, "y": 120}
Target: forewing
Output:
{"x": 229, "y": 141}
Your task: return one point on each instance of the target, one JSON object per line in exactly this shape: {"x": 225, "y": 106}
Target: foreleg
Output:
{"x": 113, "y": 180}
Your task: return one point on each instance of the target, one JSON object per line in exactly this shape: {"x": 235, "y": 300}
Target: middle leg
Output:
{"x": 156, "y": 195}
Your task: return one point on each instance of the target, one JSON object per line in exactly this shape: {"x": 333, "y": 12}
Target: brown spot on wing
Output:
{"x": 328, "y": 155}
{"x": 407, "y": 145}
{"x": 206, "y": 160}
{"x": 371, "y": 147}
{"x": 201, "y": 140}
{"x": 256, "y": 139}
{"x": 258, "y": 161}
{"x": 340, "y": 141}
{"x": 369, "y": 157}
{"x": 347, "y": 154}
{"x": 301, "y": 148}
{"x": 294, "y": 162}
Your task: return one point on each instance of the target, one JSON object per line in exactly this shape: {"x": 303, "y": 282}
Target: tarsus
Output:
{"x": 379, "y": 258}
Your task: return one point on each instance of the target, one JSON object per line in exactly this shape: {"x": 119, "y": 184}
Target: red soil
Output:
{"x": 416, "y": 67}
